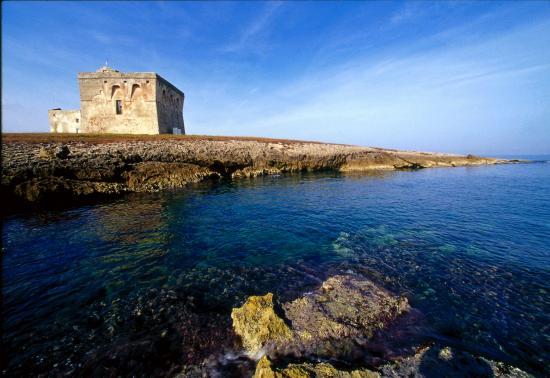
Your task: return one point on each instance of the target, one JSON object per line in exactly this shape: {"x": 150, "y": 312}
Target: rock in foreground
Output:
{"x": 343, "y": 307}
{"x": 258, "y": 325}
{"x": 264, "y": 369}
{"x": 428, "y": 362}
{"x": 327, "y": 322}
{"x": 333, "y": 321}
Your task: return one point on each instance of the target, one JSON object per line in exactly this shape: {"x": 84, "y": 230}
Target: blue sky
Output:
{"x": 466, "y": 77}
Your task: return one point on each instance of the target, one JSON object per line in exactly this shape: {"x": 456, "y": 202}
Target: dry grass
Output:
{"x": 113, "y": 138}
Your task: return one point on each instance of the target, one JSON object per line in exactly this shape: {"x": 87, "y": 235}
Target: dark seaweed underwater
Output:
{"x": 144, "y": 284}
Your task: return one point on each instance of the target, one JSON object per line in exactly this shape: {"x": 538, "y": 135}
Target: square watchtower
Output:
{"x": 124, "y": 103}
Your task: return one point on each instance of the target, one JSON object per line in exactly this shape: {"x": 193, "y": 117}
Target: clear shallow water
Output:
{"x": 146, "y": 283}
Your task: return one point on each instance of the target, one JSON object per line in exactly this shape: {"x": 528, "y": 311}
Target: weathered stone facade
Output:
{"x": 64, "y": 121}
{"x": 123, "y": 103}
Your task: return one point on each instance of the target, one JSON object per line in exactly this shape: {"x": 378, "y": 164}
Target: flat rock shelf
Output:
{"x": 61, "y": 168}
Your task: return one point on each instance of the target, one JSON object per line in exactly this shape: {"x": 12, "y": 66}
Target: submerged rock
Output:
{"x": 258, "y": 325}
{"x": 436, "y": 361}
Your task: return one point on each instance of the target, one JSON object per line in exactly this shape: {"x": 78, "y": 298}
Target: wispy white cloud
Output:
{"x": 109, "y": 39}
{"x": 408, "y": 12}
{"x": 463, "y": 94}
{"x": 256, "y": 29}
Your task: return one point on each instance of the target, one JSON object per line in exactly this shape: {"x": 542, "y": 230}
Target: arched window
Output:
{"x": 136, "y": 91}
{"x": 115, "y": 90}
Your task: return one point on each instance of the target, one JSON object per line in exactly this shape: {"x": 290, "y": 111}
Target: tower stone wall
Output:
{"x": 65, "y": 121}
{"x": 127, "y": 103}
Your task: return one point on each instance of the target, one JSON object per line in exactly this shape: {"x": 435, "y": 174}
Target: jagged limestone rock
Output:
{"x": 325, "y": 322}
{"x": 427, "y": 362}
{"x": 258, "y": 325}
{"x": 153, "y": 176}
{"x": 343, "y": 308}
{"x": 62, "y": 152}
{"x": 264, "y": 369}
{"x": 329, "y": 322}
{"x": 46, "y": 153}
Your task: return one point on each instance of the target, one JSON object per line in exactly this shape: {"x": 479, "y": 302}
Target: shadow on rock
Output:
{"x": 438, "y": 362}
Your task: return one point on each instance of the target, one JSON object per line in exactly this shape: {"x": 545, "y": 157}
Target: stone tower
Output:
{"x": 123, "y": 103}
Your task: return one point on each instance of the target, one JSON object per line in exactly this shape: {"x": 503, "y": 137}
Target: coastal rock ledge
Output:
{"x": 330, "y": 331}
{"x": 40, "y": 168}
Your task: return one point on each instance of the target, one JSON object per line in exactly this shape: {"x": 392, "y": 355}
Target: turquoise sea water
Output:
{"x": 145, "y": 283}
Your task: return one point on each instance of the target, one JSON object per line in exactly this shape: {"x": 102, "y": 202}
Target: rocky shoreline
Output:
{"x": 63, "y": 168}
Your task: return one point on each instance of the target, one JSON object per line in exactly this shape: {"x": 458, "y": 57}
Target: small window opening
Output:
{"x": 147, "y": 81}
{"x": 118, "y": 106}
{"x": 76, "y": 120}
{"x": 105, "y": 81}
